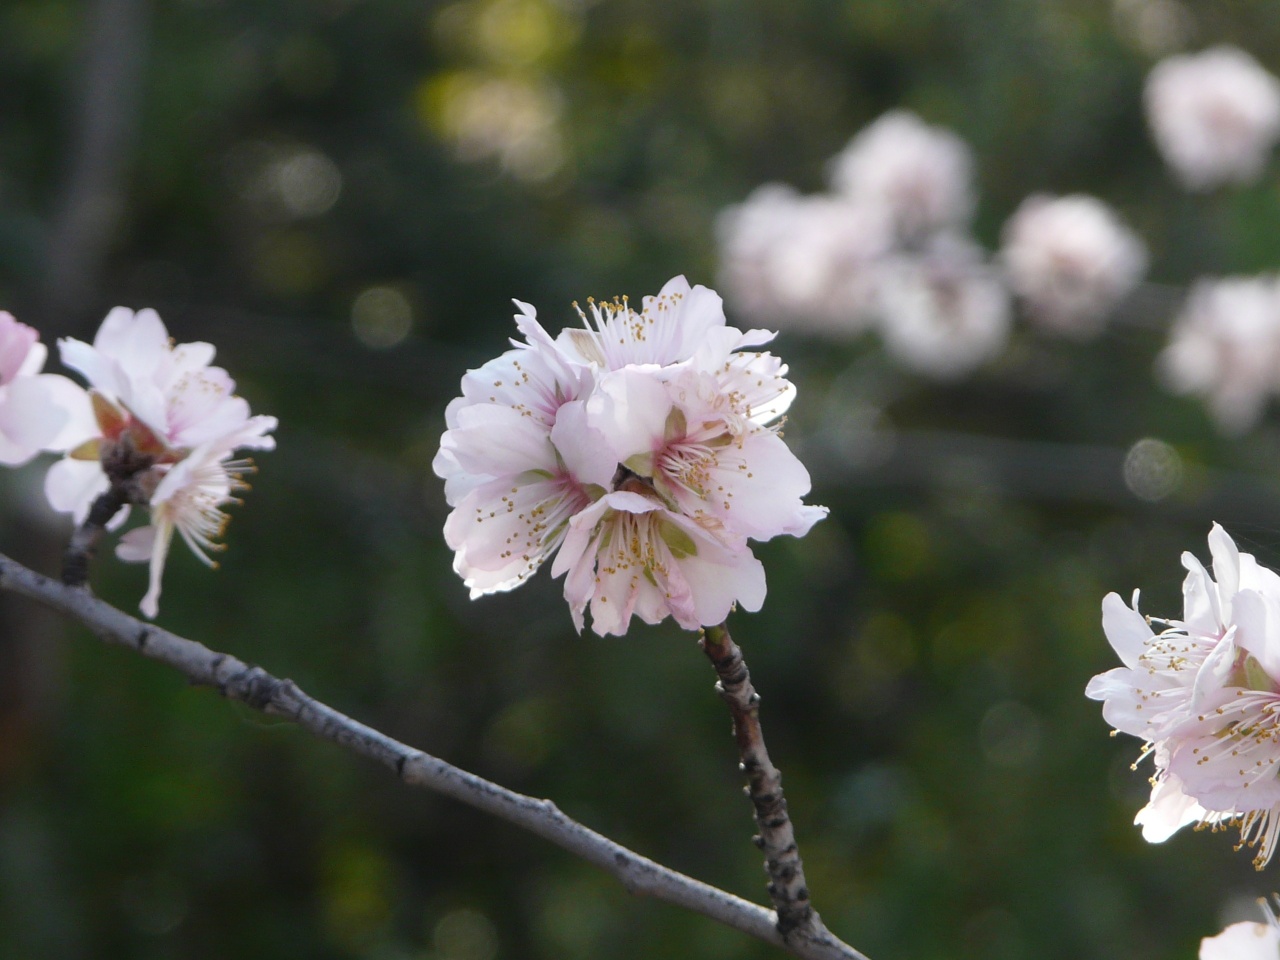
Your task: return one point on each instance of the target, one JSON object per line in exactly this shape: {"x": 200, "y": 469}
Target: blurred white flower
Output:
{"x": 1225, "y": 345}
{"x": 807, "y": 261}
{"x": 1204, "y": 696}
{"x": 1215, "y": 115}
{"x": 1070, "y": 259}
{"x": 944, "y": 312}
{"x": 918, "y": 174}
{"x": 37, "y": 410}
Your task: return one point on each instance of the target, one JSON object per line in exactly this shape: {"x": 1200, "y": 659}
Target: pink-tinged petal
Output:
{"x": 1168, "y": 811}
{"x": 497, "y": 441}
{"x": 1243, "y": 941}
{"x": 1124, "y": 705}
{"x": 1258, "y": 628}
{"x": 34, "y": 362}
{"x": 630, "y": 407}
{"x": 17, "y": 344}
{"x": 102, "y": 373}
{"x": 1216, "y": 669}
{"x": 1226, "y": 567}
{"x": 29, "y": 420}
{"x": 1127, "y": 630}
{"x": 586, "y": 452}
{"x": 71, "y": 486}
{"x": 137, "y": 545}
{"x": 1200, "y": 599}
{"x": 138, "y": 340}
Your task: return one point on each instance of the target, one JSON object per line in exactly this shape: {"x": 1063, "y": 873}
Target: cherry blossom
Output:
{"x": 640, "y": 450}
{"x": 159, "y": 428}
{"x": 1215, "y": 115}
{"x": 1204, "y": 694}
{"x": 1225, "y": 345}
{"x": 37, "y": 410}
{"x": 1070, "y": 259}
{"x": 918, "y": 174}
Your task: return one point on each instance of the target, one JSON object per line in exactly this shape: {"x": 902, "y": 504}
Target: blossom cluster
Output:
{"x": 640, "y": 450}
{"x": 159, "y": 427}
{"x": 1204, "y": 696}
{"x": 889, "y": 247}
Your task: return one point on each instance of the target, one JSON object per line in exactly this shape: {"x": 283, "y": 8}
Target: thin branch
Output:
{"x": 798, "y": 922}
{"x": 84, "y": 540}
{"x": 237, "y": 680}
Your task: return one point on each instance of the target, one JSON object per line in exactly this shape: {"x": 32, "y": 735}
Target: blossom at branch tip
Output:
{"x": 37, "y": 410}
{"x": 1215, "y": 115}
{"x": 1225, "y": 346}
{"x": 1204, "y": 695}
{"x": 642, "y": 446}
{"x": 161, "y": 426}
{"x": 1070, "y": 260}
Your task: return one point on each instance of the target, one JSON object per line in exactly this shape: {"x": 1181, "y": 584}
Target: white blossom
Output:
{"x": 1215, "y": 115}
{"x": 918, "y": 174}
{"x": 641, "y": 446}
{"x": 1071, "y": 260}
{"x": 1225, "y": 346}
{"x": 1204, "y": 695}
{"x": 1245, "y": 941}
{"x": 808, "y": 261}
{"x": 943, "y": 313}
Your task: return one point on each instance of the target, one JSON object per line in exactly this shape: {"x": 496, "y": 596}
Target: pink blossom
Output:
{"x": 1204, "y": 694}
{"x": 37, "y": 409}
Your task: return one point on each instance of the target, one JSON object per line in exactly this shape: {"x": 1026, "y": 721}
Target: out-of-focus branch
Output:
{"x": 798, "y": 922}
{"x": 110, "y": 91}
{"x": 237, "y": 680}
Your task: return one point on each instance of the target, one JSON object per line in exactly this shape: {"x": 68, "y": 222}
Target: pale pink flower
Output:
{"x": 1215, "y": 115}
{"x": 639, "y": 447}
{"x": 1204, "y": 694}
{"x": 807, "y": 260}
{"x": 1070, "y": 259}
{"x": 1225, "y": 346}
{"x": 151, "y": 396}
{"x": 920, "y": 175}
{"x": 37, "y": 409}
{"x": 943, "y": 313}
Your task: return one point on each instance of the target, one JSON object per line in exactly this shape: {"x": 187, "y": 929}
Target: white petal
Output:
{"x": 137, "y": 545}
{"x": 1168, "y": 811}
{"x": 1243, "y": 941}
{"x": 1127, "y": 630}
{"x": 71, "y": 486}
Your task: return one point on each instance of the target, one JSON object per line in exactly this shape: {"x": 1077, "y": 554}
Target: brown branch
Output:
{"x": 84, "y": 541}
{"x": 237, "y": 680}
{"x": 798, "y": 922}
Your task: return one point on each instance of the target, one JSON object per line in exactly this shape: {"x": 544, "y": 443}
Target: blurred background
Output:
{"x": 343, "y": 196}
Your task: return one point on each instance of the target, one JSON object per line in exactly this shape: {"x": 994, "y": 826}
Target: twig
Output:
{"x": 84, "y": 541}
{"x": 798, "y": 922}
{"x": 237, "y": 680}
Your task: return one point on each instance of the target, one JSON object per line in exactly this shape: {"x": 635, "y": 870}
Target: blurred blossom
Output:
{"x": 920, "y": 175}
{"x": 1245, "y": 941}
{"x": 1215, "y": 115}
{"x": 1225, "y": 346}
{"x": 944, "y": 312}
{"x": 37, "y": 410}
{"x": 809, "y": 259}
{"x": 381, "y": 317}
{"x": 1070, "y": 259}
{"x": 514, "y": 121}
{"x": 1152, "y": 469}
